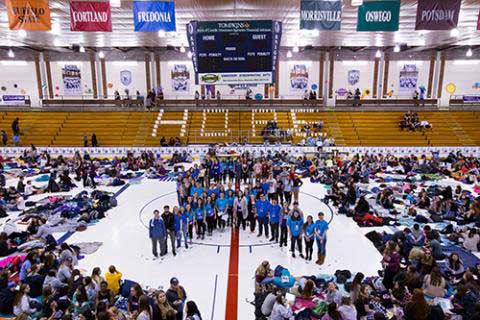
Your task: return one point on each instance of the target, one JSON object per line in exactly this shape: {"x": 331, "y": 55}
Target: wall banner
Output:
{"x": 28, "y": 15}
{"x": 437, "y": 14}
{"x": 153, "y": 16}
{"x": 298, "y": 78}
{"x": 180, "y": 78}
{"x": 353, "y": 77}
{"x": 235, "y": 78}
{"x": 378, "y": 16}
{"x": 72, "y": 80}
{"x": 320, "y": 14}
{"x": 13, "y": 100}
{"x": 90, "y": 16}
{"x": 408, "y": 80}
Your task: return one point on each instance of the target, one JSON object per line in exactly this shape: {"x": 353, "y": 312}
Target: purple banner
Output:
{"x": 437, "y": 14}
{"x": 471, "y": 99}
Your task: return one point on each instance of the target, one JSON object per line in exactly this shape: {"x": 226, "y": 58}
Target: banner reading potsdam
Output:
{"x": 437, "y": 14}
{"x": 378, "y": 16}
{"x": 320, "y": 14}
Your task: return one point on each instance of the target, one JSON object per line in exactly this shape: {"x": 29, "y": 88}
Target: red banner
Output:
{"x": 478, "y": 22}
{"x": 90, "y": 16}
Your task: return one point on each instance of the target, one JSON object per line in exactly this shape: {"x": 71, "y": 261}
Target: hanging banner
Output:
{"x": 408, "y": 80}
{"x": 320, "y": 14}
{"x": 28, "y": 15}
{"x": 72, "y": 80}
{"x": 478, "y": 22}
{"x": 437, "y": 14}
{"x": 298, "y": 78}
{"x": 180, "y": 78}
{"x": 153, "y": 16}
{"x": 378, "y": 16}
{"x": 90, "y": 16}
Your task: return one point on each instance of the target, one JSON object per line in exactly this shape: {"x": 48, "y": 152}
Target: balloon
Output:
{"x": 314, "y": 86}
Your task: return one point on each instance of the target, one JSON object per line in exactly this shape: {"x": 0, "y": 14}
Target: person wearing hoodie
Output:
{"x": 295, "y": 225}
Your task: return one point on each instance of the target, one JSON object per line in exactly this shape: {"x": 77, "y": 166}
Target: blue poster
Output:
{"x": 320, "y": 14}
{"x": 153, "y": 16}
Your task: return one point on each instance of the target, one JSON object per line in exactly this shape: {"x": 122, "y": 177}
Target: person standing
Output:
{"x": 295, "y": 224}
{"x": 94, "y": 140}
{"x": 296, "y": 184}
{"x": 262, "y": 207}
{"x": 274, "y": 217}
{"x": 85, "y": 139}
{"x": 321, "y": 227}
{"x": 309, "y": 231}
{"x": 158, "y": 234}
{"x": 169, "y": 220}
{"x": 4, "y": 138}
{"x": 176, "y": 296}
{"x": 283, "y": 224}
{"x": 16, "y": 131}
{"x": 200, "y": 219}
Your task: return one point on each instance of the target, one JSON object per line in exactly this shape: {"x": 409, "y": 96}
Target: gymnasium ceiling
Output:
{"x": 287, "y": 11}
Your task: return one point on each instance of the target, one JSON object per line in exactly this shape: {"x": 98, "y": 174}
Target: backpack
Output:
{"x": 342, "y": 276}
{"x": 278, "y": 271}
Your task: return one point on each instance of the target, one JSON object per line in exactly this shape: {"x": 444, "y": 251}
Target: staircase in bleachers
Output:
{"x": 450, "y": 128}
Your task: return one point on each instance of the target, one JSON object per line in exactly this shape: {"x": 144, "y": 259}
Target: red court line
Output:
{"x": 231, "y": 312}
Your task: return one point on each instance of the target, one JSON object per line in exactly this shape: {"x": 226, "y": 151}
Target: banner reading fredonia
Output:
{"x": 28, "y": 15}
{"x": 320, "y": 14}
{"x": 90, "y": 16}
{"x": 437, "y": 14}
{"x": 378, "y": 16}
{"x": 153, "y": 16}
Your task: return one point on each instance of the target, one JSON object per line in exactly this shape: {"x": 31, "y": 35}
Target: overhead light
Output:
{"x": 22, "y": 33}
{"x": 56, "y": 29}
{"x": 162, "y": 33}
{"x": 116, "y": 3}
{"x": 378, "y": 54}
{"x": 469, "y": 52}
{"x": 295, "y": 49}
{"x": 396, "y": 48}
{"x": 82, "y": 49}
{"x": 289, "y": 54}
{"x": 101, "y": 55}
{"x": 182, "y": 49}
{"x": 454, "y": 32}
{"x": 315, "y": 33}
{"x": 11, "y": 54}
{"x": 189, "y": 54}
{"x": 357, "y": 3}
{"x": 56, "y": 42}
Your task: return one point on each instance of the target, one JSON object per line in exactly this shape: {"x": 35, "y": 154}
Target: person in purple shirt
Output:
{"x": 321, "y": 227}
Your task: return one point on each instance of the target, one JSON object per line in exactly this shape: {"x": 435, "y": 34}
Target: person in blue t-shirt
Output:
{"x": 221, "y": 204}
{"x": 309, "y": 235}
{"x": 190, "y": 221}
{"x": 262, "y": 206}
{"x": 210, "y": 215}
{"x": 274, "y": 217}
{"x": 200, "y": 219}
{"x": 183, "y": 216}
{"x": 230, "y": 198}
{"x": 321, "y": 227}
{"x": 295, "y": 224}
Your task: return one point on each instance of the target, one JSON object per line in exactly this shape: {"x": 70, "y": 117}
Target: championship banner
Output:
{"x": 379, "y": 16}
{"x": 320, "y": 14}
{"x": 28, "y": 15}
{"x": 90, "y": 16}
{"x": 437, "y": 14}
{"x": 298, "y": 78}
{"x": 72, "y": 80}
{"x": 153, "y": 16}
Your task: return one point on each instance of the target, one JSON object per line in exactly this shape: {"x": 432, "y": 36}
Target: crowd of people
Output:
{"x": 411, "y": 122}
{"x": 272, "y": 132}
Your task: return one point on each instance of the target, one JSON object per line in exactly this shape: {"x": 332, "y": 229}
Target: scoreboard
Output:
{"x": 234, "y": 52}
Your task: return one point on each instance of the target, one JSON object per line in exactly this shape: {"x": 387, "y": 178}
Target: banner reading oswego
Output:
{"x": 379, "y": 16}
{"x": 90, "y": 16}
{"x": 320, "y": 14}
{"x": 28, "y": 15}
{"x": 437, "y": 14}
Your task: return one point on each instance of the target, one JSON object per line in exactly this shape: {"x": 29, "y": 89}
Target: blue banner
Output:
{"x": 153, "y": 16}
{"x": 471, "y": 99}
{"x": 320, "y": 14}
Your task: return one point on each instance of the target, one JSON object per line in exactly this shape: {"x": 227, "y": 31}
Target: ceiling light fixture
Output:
{"x": 82, "y": 49}
{"x": 396, "y": 48}
{"x": 11, "y": 54}
{"x": 101, "y": 55}
{"x": 454, "y": 32}
{"x": 469, "y": 52}
{"x": 22, "y": 34}
{"x": 378, "y": 54}
{"x": 182, "y": 49}
{"x": 162, "y": 33}
{"x": 356, "y": 3}
{"x": 295, "y": 49}
{"x": 289, "y": 54}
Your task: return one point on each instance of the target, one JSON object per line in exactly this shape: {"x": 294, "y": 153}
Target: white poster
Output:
{"x": 298, "y": 78}
{"x": 72, "y": 80}
{"x": 180, "y": 78}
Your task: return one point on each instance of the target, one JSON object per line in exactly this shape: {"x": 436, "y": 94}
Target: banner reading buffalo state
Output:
{"x": 28, "y": 15}
{"x": 90, "y": 16}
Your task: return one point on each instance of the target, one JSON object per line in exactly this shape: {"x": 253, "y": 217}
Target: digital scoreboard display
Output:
{"x": 234, "y": 52}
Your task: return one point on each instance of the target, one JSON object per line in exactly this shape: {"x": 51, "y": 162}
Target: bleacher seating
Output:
{"x": 372, "y": 128}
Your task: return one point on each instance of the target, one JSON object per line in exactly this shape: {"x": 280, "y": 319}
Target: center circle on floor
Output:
{"x": 310, "y": 205}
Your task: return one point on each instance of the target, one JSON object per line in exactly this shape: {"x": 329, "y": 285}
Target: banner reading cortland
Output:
{"x": 28, "y": 15}
{"x": 180, "y": 78}
{"x": 408, "y": 80}
{"x": 90, "y": 16}
{"x": 235, "y": 78}
{"x": 378, "y": 16}
{"x": 153, "y": 16}
{"x": 320, "y": 14}
{"x": 72, "y": 80}
{"x": 298, "y": 78}
{"x": 437, "y": 14}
